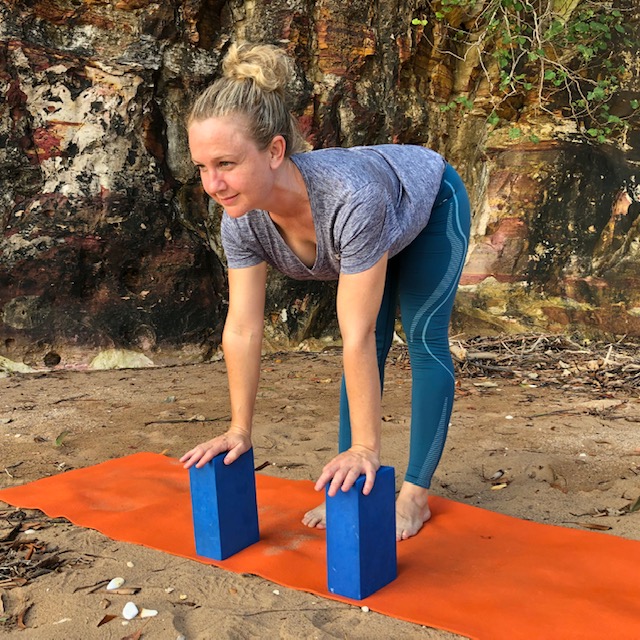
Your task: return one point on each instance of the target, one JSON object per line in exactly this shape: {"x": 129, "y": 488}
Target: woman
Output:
{"x": 389, "y": 222}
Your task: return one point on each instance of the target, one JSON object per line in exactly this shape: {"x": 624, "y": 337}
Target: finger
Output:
{"x": 192, "y": 457}
{"x": 235, "y": 453}
{"x": 350, "y": 475}
{"x": 369, "y": 482}
{"x": 186, "y": 456}
{"x": 321, "y": 482}
{"x": 207, "y": 456}
{"x": 328, "y": 471}
{"x": 188, "y": 463}
{"x": 336, "y": 482}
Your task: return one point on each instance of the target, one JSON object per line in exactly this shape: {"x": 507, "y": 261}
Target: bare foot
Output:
{"x": 412, "y": 510}
{"x": 316, "y": 517}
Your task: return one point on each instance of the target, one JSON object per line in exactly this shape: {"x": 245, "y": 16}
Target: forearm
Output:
{"x": 363, "y": 390}
{"x": 242, "y": 353}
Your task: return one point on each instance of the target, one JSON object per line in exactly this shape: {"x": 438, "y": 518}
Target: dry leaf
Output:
{"x": 108, "y": 618}
{"x": 21, "y": 615}
{"x": 635, "y": 506}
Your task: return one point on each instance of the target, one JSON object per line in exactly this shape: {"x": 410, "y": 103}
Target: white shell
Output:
{"x": 148, "y": 613}
{"x": 130, "y": 611}
{"x": 116, "y": 583}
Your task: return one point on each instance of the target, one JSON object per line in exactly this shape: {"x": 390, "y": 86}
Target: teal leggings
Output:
{"x": 424, "y": 278}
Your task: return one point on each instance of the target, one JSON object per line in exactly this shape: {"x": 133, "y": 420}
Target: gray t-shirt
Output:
{"x": 364, "y": 201}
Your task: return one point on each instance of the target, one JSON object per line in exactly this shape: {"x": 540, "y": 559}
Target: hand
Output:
{"x": 346, "y": 468}
{"x": 236, "y": 441}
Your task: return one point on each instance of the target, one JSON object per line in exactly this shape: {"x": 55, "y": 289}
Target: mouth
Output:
{"x": 225, "y": 201}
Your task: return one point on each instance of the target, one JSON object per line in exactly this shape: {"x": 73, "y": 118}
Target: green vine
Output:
{"x": 557, "y": 56}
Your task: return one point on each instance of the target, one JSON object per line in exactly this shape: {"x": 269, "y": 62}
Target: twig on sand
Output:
{"x": 191, "y": 419}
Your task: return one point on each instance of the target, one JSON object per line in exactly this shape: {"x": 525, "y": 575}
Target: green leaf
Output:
{"x": 634, "y": 104}
{"x": 549, "y": 74}
{"x": 515, "y": 133}
{"x": 493, "y": 118}
{"x": 465, "y": 102}
{"x": 597, "y": 94}
{"x": 594, "y": 133}
{"x": 61, "y": 437}
{"x": 534, "y": 138}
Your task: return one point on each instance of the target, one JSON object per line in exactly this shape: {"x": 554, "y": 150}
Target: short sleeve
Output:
{"x": 238, "y": 246}
{"x": 363, "y": 234}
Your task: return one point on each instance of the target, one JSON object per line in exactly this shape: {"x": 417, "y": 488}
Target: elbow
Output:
{"x": 358, "y": 341}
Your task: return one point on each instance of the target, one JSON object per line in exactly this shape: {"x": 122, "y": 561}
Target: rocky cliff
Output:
{"x": 108, "y": 241}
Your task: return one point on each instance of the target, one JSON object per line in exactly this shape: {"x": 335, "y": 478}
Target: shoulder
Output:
{"x": 338, "y": 171}
{"x": 367, "y": 162}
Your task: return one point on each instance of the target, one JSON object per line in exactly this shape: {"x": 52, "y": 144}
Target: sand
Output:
{"x": 553, "y": 452}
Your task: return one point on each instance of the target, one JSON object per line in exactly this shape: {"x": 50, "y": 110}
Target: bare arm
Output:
{"x": 358, "y": 304}
{"x": 242, "y": 346}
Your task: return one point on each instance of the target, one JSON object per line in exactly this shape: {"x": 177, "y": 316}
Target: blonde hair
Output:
{"x": 253, "y": 85}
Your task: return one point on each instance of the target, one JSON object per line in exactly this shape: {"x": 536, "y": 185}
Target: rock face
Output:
{"x": 109, "y": 242}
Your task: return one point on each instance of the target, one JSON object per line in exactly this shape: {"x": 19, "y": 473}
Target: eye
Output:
{"x": 225, "y": 164}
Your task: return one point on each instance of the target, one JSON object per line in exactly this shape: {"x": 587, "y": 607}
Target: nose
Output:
{"x": 212, "y": 183}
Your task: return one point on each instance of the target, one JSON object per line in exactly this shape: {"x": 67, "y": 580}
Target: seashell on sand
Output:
{"x": 148, "y": 613}
{"x": 116, "y": 583}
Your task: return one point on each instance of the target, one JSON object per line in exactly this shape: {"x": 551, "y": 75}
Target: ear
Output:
{"x": 277, "y": 151}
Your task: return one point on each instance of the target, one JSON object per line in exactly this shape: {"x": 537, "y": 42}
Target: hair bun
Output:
{"x": 267, "y": 65}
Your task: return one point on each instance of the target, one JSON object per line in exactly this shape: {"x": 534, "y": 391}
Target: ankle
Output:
{"x": 412, "y": 493}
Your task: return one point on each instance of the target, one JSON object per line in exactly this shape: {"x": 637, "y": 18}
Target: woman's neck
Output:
{"x": 289, "y": 198}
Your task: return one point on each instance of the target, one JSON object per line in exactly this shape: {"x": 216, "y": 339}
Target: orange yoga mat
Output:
{"x": 471, "y": 571}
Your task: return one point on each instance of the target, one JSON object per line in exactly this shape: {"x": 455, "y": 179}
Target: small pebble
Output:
{"x": 508, "y": 417}
{"x": 365, "y": 609}
{"x": 130, "y": 611}
{"x": 276, "y": 592}
{"x": 130, "y": 564}
{"x": 148, "y": 613}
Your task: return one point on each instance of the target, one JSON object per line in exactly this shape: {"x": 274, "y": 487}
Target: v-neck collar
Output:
{"x": 319, "y": 236}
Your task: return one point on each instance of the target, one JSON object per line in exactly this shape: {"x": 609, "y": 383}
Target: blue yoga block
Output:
{"x": 225, "y": 510}
{"x": 361, "y": 537}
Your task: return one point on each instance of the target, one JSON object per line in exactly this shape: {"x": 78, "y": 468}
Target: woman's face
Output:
{"x": 234, "y": 172}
